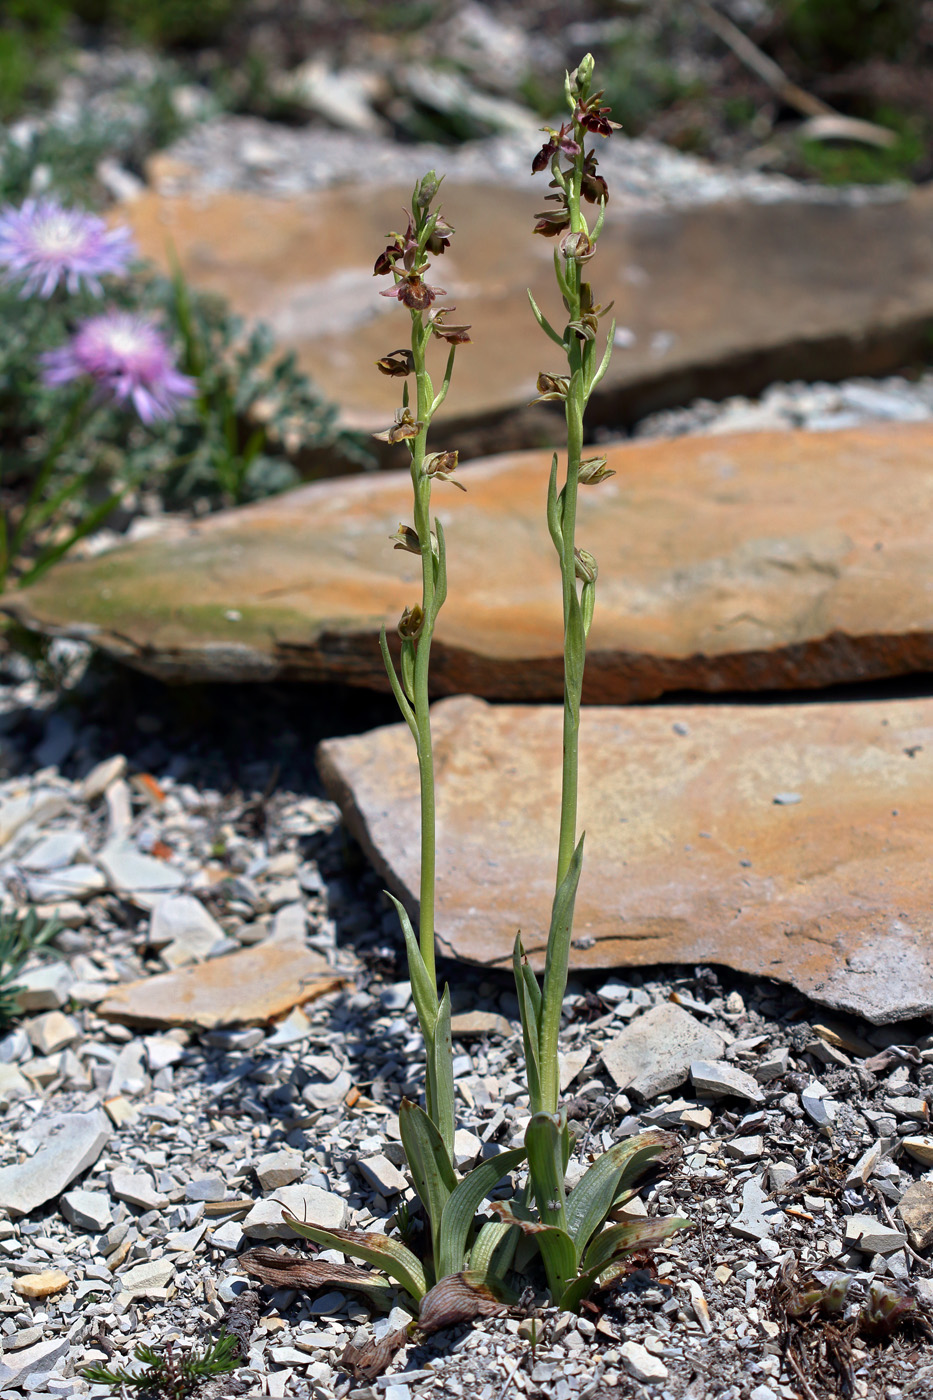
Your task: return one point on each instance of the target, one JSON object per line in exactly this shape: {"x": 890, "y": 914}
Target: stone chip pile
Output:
{"x": 138, "y": 1162}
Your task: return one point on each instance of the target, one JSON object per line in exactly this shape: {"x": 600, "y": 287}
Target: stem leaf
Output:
{"x": 384, "y": 1253}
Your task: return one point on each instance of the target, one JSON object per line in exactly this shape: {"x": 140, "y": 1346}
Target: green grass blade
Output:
{"x": 423, "y": 990}
{"x": 383, "y": 1253}
{"x": 461, "y": 1208}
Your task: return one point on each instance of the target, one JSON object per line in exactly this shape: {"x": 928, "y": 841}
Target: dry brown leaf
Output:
{"x": 455, "y": 1299}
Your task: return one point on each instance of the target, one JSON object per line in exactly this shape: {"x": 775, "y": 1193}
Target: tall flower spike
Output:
{"x": 44, "y": 244}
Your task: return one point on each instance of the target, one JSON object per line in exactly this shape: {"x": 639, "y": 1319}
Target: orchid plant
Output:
{"x": 466, "y": 1271}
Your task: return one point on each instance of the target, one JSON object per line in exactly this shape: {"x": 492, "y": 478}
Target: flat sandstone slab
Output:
{"x": 785, "y": 841}
{"x": 248, "y": 987}
{"x": 717, "y": 299}
{"x": 748, "y": 562}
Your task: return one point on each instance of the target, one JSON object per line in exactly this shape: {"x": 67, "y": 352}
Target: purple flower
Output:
{"x": 128, "y": 358}
{"x": 44, "y": 244}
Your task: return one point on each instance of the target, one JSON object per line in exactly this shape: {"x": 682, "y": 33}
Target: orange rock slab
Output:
{"x": 750, "y": 562}
{"x": 688, "y": 857}
{"x": 248, "y": 987}
{"x": 718, "y": 299}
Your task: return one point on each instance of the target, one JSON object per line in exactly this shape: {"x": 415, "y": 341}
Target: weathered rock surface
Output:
{"x": 748, "y": 562}
{"x": 243, "y": 988}
{"x": 654, "y": 1053}
{"x": 719, "y": 299}
{"x": 60, "y": 1146}
{"x": 688, "y": 857}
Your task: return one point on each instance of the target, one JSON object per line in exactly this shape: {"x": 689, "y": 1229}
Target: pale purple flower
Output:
{"x": 128, "y": 358}
{"x": 44, "y": 244}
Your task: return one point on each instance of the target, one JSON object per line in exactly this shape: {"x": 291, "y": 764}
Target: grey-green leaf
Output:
{"x": 544, "y": 1145}
{"x": 528, "y": 1007}
{"x": 591, "y": 1199}
{"x": 629, "y": 1235}
{"x": 463, "y": 1204}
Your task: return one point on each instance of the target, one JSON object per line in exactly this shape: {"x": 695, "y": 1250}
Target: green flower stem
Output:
{"x": 422, "y": 516}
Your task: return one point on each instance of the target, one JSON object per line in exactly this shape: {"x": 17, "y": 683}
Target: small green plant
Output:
{"x": 168, "y": 1373}
{"x": 20, "y": 936}
{"x": 849, "y": 163}
{"x": 465, "y": 1269}
{"x": 94, "y": 406}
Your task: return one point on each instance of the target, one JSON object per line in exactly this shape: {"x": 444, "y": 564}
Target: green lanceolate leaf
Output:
{"x": 543, "y": 1143}
{"x": 401, "y": 699}
{"x": 545, "y": 324}
{"x": 555, "y": 979}
{"x": 587, "y": 606}
{"x": 592, "y": 1198}
{"x": 429, "y": 1163}
{"x": 630, "y": 1235}
{"x": 386, "y": 1254}
{"x": 408, "y": 668}
{"x": 423, "y": 990}
{"x": 528, "y": 1008}
{"x": 555, "y": 508}
{"x": 441, "y": 1072}
{"x": 494, "y": 1249}
{"x": 440, "y": 568}
{"x": 463, "y": 1204}
{"x": 604, "y": 362}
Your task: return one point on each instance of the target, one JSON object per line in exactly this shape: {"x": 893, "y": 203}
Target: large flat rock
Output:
{"x": 248, "y": 987}
{"x": 718, "y": 299}
{"x": 689, "y": 857}
{"x": 748, "y": 562}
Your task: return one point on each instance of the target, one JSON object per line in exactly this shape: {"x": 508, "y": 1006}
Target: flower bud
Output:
{"x": 579, "y": 81}
{"x": 410, "y": 623}
{"x": 425, "y": 190}
{"x": 592, "y": 470}
{"x": 406, "y": 538}
{"x": 397, "y": 364}
{"x": 585, "y": 566}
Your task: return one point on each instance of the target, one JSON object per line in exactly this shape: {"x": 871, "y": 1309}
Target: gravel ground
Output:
{"x": 798, "y": 1149}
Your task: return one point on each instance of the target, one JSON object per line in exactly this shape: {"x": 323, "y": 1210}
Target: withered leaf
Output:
{"x": 303, "y": 1271}
{"x": 458, "y": 1298}
{"x": 370, "y": 1359}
